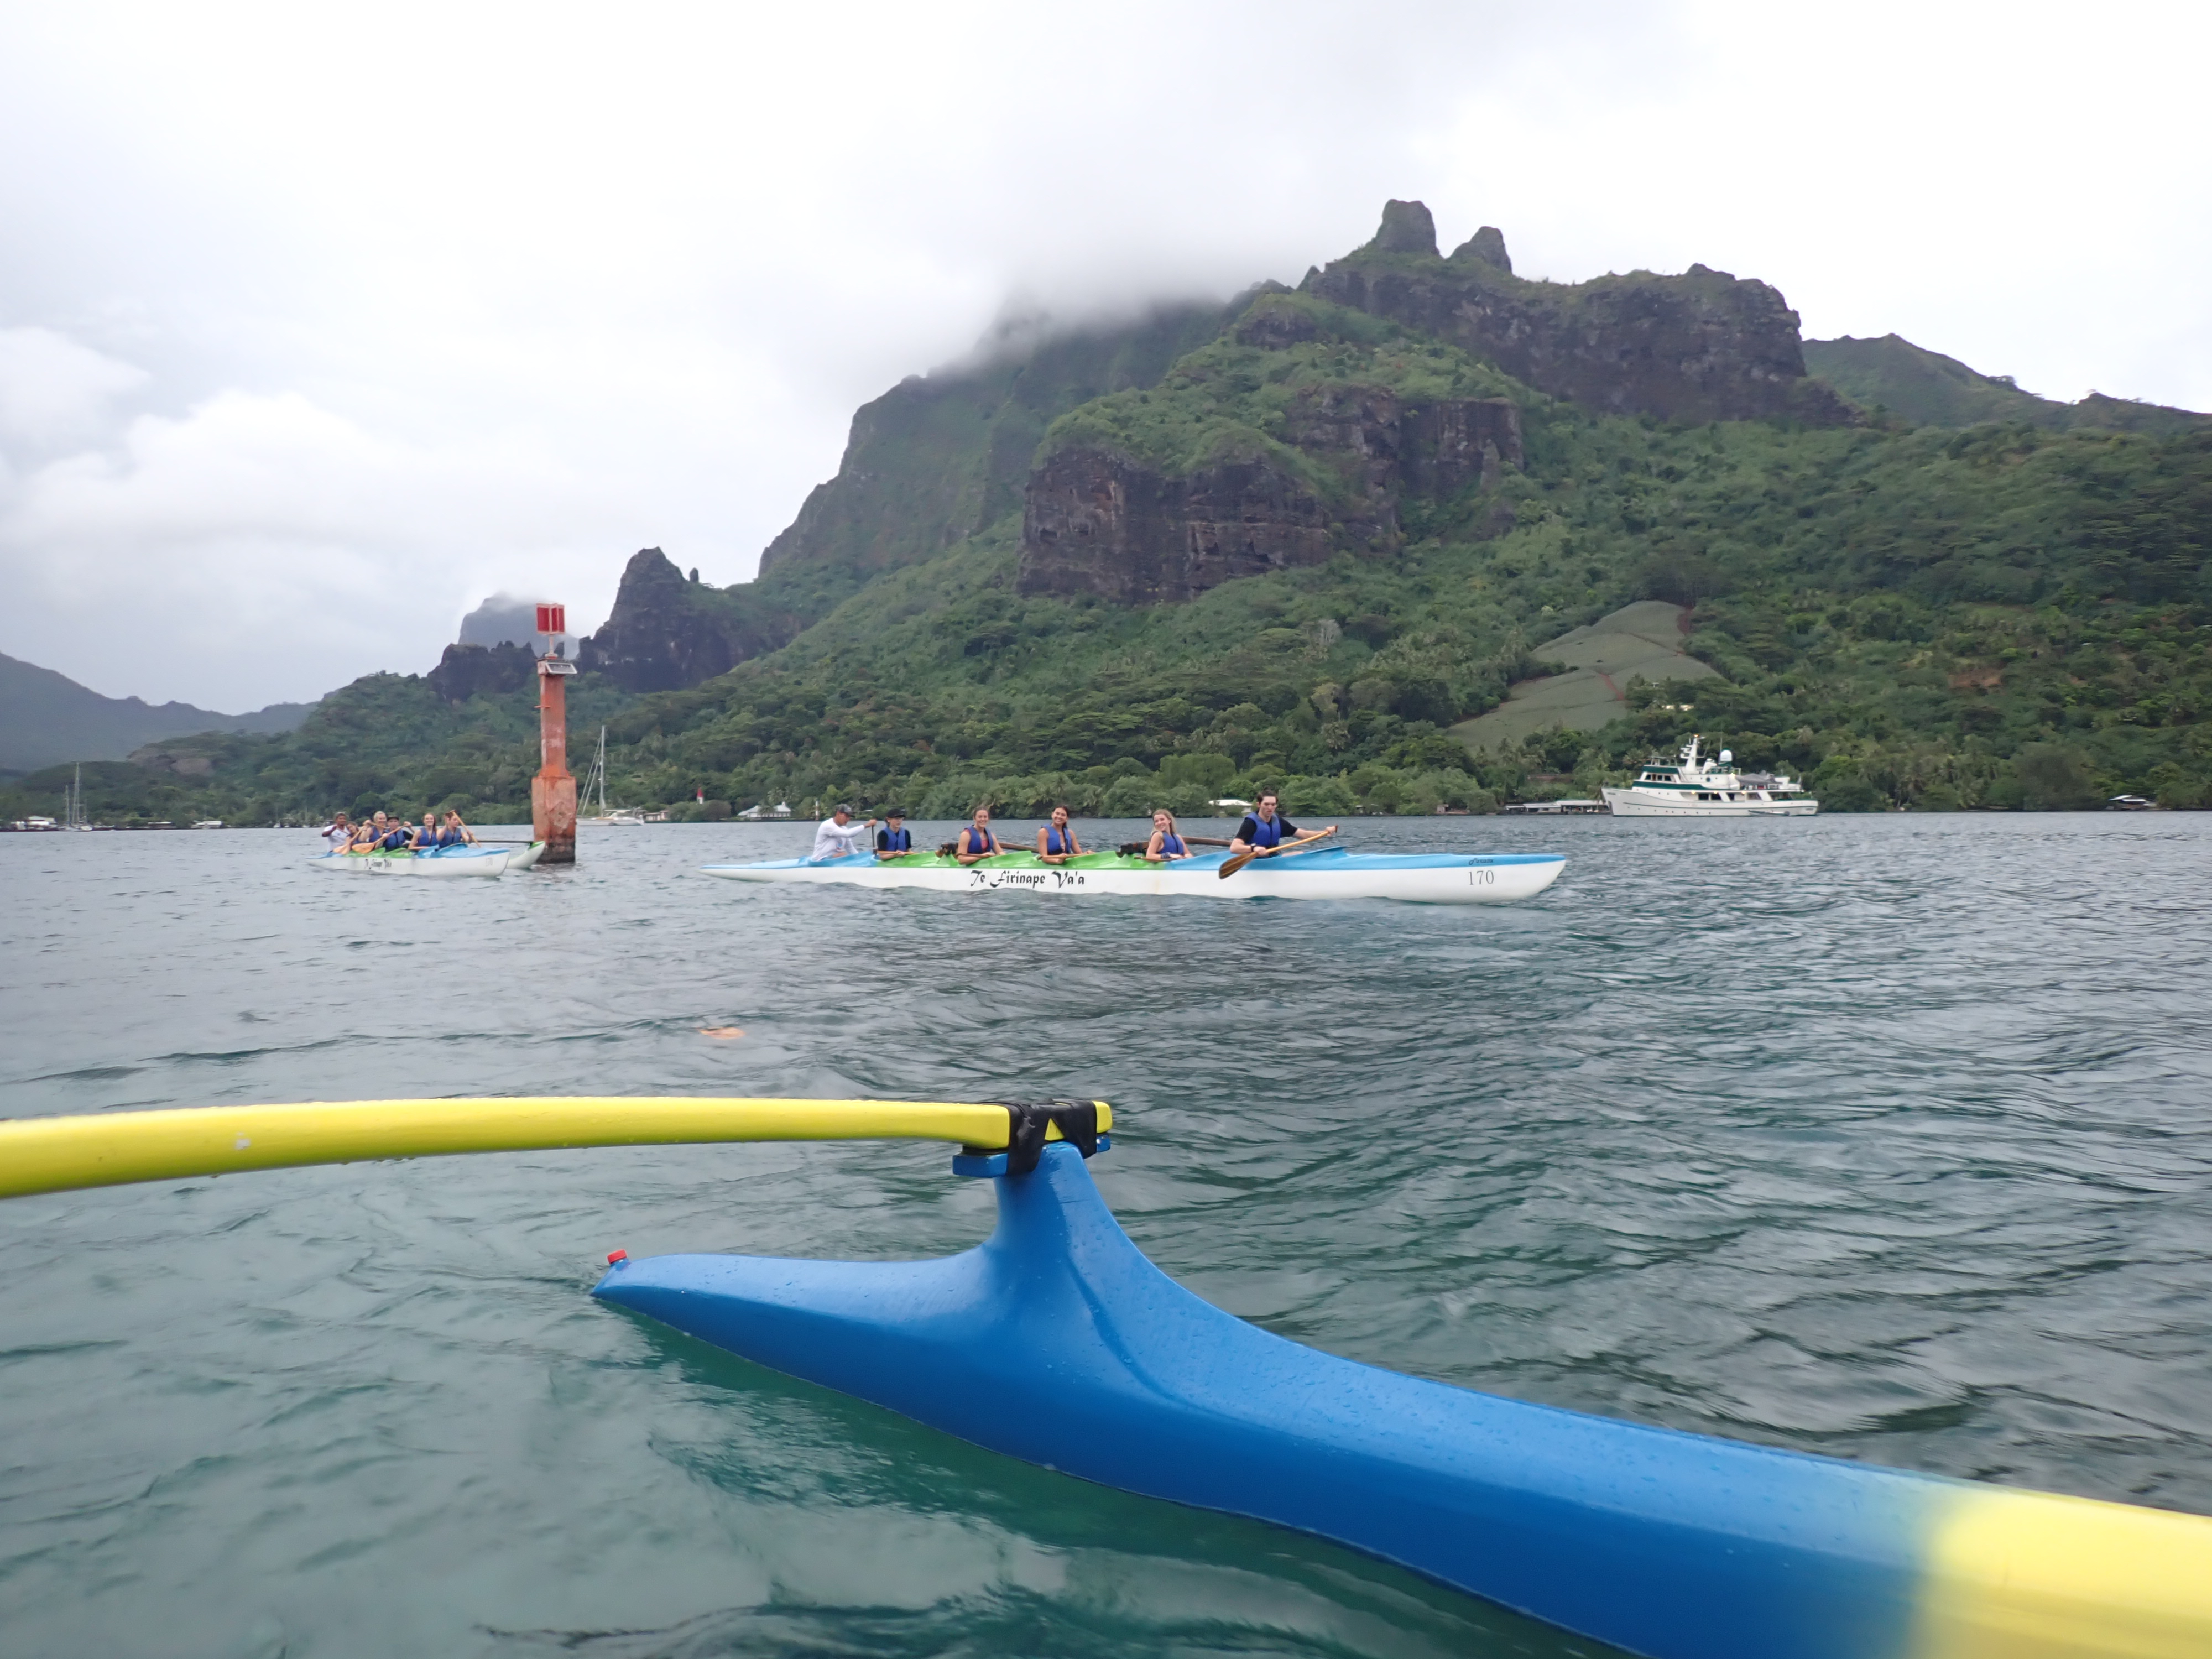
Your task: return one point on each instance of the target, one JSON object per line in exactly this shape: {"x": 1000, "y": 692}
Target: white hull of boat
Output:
{"x": 447, "y": 861}
{"x": 522, "y": 858}
{"x": 1432, "y": 879}
{"x": 1629, "y": 804}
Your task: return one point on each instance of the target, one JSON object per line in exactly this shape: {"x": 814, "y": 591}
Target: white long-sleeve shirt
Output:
{"x": 832, "y": 840}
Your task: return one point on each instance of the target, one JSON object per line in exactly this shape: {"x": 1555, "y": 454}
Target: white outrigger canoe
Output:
{"x": 1329, "y": 872}
{"x": 446, "y": 861}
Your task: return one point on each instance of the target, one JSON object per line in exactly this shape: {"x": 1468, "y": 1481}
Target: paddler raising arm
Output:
{"x": 837, "y": 836}
{"x": 894, "y": 838}
{"x": 976, "y": 841}
{"x": 1268, "y": 832}
{"x": 1057, "y": 841}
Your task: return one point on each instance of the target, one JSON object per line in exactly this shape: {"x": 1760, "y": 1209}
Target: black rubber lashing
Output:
{"x": 1028, "y": 1119}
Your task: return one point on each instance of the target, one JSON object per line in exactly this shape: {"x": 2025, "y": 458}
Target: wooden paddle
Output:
{"x": 1238, "y": 863}
{"x": 1131, "y": 849}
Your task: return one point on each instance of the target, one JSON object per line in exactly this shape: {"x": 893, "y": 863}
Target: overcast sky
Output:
{"x": 318, "y": 325}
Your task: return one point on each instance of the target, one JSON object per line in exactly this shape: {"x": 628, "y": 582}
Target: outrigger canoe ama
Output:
{"x": 445, "y": 861}
{"x": 1056, "y": 1342}
{"x": 1326, "y": 872}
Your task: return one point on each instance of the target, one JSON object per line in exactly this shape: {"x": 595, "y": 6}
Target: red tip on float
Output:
{"x": 619, "y": 1255}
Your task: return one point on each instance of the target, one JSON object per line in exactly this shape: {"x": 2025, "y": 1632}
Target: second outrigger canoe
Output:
{"x": 446, "y": 861}
{"x": 1328, "y": 873}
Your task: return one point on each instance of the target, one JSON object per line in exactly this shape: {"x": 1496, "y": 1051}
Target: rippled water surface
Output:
{"x": 1888, "y": 1138}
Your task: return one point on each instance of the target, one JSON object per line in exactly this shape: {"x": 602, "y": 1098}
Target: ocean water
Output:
{"x": 1888, "y": 1138}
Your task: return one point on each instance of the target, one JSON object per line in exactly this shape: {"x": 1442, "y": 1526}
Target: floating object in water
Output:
{"x": 444, "y": 862}
{"x": 1329, "y": 872}
{"x": 724, "y": 1033}
{"x": 1056, "y": 1342}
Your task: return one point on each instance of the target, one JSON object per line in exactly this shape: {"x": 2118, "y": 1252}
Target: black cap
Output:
{"x": 895, "y": 812}
{"x": 841, "y": 807}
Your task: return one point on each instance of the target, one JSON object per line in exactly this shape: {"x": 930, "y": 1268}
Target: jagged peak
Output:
{"x": 1488, "y": 245}
{"x": 1408, "y": 227}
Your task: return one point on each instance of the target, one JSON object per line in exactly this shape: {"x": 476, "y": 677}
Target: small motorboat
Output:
{"x": 1326, "y": 872}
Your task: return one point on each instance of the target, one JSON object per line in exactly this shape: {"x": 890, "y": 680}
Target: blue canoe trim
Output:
{"x": 1058, "y": 1342}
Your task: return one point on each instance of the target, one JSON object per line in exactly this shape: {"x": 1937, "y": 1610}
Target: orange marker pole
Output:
{"x": 553, "y": 791}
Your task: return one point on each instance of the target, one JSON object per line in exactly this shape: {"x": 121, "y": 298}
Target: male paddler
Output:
{"x": 837, "y": 836}
{"x": 1268, "y": 832}
{"x": 894, "y": 838}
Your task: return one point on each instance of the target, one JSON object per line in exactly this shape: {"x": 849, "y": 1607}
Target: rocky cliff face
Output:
{"x": 939, "y": 457}
{"x": 468, "y": 670}
{"x": 666, "y": 632}
{"x": 1099, "y": 522}
{"x": 1703, "y": 346}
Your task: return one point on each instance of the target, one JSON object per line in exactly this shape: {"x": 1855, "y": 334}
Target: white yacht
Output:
{"x": 1697, "y": 788}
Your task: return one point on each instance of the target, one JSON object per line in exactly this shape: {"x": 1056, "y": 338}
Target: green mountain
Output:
{"x": 1926, "y": 388}
{"x": 47, "y": 717}
{"x": 1301, "y": 539}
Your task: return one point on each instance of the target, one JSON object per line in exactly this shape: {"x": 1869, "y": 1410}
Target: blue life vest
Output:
{"x": 1267, "y": 832}
{"x": 1171, "y": 843}
{"x": 452, "y": 835}
{"x": 394, "y": 839}
{"x": 898, "y": 841}
{"x": 967, "y": 842}
{"x": 1055, "y": 843}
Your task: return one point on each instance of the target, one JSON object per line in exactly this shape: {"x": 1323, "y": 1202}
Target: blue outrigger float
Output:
{"x": 1056, "y": 1342}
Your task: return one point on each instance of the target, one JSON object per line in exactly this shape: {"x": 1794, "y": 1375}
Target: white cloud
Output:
{"x": 464, "y": 299}
{"x": 54, "y": 391}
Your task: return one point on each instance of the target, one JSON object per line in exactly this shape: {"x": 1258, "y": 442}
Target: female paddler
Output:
{"x": 1057, "y": 841}
{"x": 1166, "y": 845}
{"x": 1267, "y": 832}
{"x": 976, "y": 841}
{"x": 894, "y": 838}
